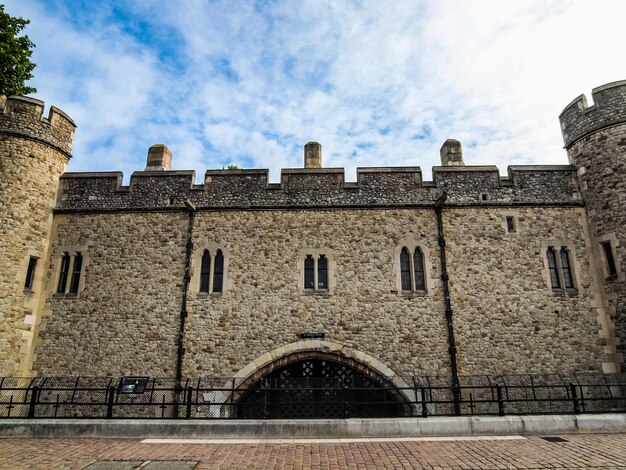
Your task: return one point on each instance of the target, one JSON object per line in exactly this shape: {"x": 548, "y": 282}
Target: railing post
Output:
{"x": 500, "y": 401}
{"x": 265, "y": 399}
{"x": 424, "y": 407}
{"x": 110, "y": 399}
{"x": 56, "y": 406}
{"x": 10, "y": 407}
{"x": 189, "y": 397}
{"x": 176, "y": 400}
{"x": 232, "y": 398}
{"x": 33, "y": 402}
{"x": 456, "y": 392}
{"x": 572, "y": 389}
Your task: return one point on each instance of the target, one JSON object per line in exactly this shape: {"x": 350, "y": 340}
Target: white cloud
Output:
{"x": 377, "y": 83}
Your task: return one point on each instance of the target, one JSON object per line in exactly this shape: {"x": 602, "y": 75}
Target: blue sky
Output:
{"x": 377, "y": 83}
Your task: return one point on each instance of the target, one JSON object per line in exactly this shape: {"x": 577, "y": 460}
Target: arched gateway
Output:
{"x": 319, "y": 383}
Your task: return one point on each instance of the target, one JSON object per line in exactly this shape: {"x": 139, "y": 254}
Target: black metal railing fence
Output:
{"x": 213, "y": 398}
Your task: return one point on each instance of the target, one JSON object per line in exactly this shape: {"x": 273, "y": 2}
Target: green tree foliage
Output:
{"x": 232, "y": 167}
{"x": 15, "y": 52}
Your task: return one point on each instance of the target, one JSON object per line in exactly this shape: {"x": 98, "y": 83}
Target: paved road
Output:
{"x": 513, "y": 452}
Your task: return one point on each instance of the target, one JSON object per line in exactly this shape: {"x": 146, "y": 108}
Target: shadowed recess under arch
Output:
{"x": 315, "y": 384}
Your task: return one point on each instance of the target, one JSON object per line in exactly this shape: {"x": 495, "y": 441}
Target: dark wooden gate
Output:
{"x": 319, "y": 388}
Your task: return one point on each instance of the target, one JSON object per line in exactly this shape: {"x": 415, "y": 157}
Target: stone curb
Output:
{"x": 316, "y": 428}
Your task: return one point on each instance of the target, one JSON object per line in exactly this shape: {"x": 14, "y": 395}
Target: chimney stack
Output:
{"x": 159, "y": 158}
{"x": 451, "y": 153}
{"x": 312, "y": 155}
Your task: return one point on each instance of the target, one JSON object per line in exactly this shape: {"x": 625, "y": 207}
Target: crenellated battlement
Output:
{"x": 302, "y": 188}
{"x": 579, "y": 119}
{"x": 23, "y": 117}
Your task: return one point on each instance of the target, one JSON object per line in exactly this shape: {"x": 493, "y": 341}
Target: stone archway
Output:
{"x": 319, "y": 379}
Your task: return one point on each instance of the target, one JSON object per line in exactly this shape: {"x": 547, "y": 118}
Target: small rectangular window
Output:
{"x": 78, "y": 264}
{"x": 610, "y": 260}
{"x": 30, "y": 273}
{"x": 418, "y": 268}
{"x": 555, "y": 280}
{"x": 568, "y": 279}
{"x": 510, "y": 224}
{"x": 205, "y": 272}
{"x": 309, "y": 272}
{"x": 218, "y": 272}
{"x": 65, "y": 267}
{"x": 322, "y": 273}
{"x": 405, "y": 269}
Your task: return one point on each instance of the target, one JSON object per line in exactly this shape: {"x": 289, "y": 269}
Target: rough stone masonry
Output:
{"x": 313, "y": 266}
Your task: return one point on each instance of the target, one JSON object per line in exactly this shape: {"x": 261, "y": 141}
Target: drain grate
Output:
{"x": 553, "y": 439}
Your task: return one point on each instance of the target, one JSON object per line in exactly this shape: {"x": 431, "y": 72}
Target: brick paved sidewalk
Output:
{"x": 576, "y": 451}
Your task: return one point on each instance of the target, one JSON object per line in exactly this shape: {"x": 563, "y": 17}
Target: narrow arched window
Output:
{"x": 418, "y": 269}
{"x": 65, "y": 268}
{"x": 205, "y": 272}
{"x": 78, "y": 264}
{"x": 309, "y": 272}
{"x": 568, "y": 280}
{"x": 555, "y": 280}
{"x": 405, "y": 269}
{"x": 322, "y": 272}
{"x": 218, "y": 273}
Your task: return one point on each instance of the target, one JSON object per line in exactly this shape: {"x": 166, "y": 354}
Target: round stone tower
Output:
{"x": 595, "y": 140}
{"x": 34, "y": 151}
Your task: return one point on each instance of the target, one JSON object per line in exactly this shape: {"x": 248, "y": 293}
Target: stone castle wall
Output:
{"x": 607, "y": 215}
{"x": 125, "y": 317}
{"x": 507, "y": 319}
{"x": 33, "y": 154}
{"x": 595, "y": 138}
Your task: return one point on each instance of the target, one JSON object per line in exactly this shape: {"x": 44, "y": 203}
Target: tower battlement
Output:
{"x": 23, "y": 117}
{"x": 579, "y": 119}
